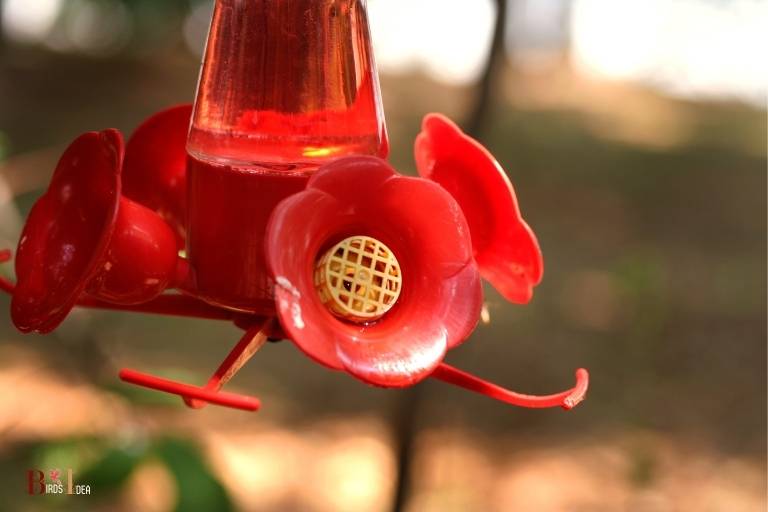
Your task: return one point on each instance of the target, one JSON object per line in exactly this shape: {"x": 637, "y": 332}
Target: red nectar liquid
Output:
{"x": 286, "y": 85}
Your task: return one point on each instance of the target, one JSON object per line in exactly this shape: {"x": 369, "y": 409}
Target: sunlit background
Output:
{"x": 635, "y": 133}
{"x": 689, "y": 48}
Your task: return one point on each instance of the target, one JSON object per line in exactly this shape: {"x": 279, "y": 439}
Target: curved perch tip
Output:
{"x": 579, "y": 391}
{"x": 567, "y": 399}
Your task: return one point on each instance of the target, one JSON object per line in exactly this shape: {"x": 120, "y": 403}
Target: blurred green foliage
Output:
{"x": 197, "y": 489}
{"x": 107, "y": 466}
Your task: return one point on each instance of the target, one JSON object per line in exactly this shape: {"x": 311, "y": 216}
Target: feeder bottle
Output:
{"x": 286, "y": 85}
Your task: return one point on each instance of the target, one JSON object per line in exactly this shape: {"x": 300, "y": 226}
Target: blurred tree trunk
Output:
{"x": 405, "y": 429}
{"x": 487, "y": 87}
{"x": 406, "y": 415}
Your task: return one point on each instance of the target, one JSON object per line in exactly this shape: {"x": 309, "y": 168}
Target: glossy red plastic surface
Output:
{"x": 566, "y": 399}
{"x": 155, "y": 168}
{"x": 141, "y": 258}
{"x": 83, "y": 235}
{"x": 426, "y": 230}
{"x": 66, "y": 234}
{"x": 170, "y": 304}
{"x": 228, "y": 212}
{"x": 505, "y": 248}
{"x": 289, "y": 82}
{"x": 232, "y": 400}
{"x": 285, "y": 87}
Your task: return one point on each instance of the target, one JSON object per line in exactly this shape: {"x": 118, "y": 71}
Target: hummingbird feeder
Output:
{"x": 269, "y": 204}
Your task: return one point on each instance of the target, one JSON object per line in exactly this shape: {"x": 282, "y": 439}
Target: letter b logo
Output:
{"x": 35, "y": 478}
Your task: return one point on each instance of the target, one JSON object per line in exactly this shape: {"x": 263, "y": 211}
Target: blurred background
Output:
{"x": 635, "y": 134}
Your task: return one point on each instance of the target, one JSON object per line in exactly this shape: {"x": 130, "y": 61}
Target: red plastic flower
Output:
{"x": 424, "y": 227}
{"x": 83, "y": 237}
{"x": 67, "y": 231}
{"x": 505, "y": 248}
{"x": 155, "y": 168}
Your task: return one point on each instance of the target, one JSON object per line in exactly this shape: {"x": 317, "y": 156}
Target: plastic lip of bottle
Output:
{"x": 285, "y": 86}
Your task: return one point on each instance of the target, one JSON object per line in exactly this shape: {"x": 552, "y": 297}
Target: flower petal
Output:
{"x": 505, "y": 248}
{"x": 155, "y": 166}
{"x": 67, "y": 231}
{"x": 297, "y": 228}
{"x": 441, "y": 296}
{"x": 353, "y": 181}
{"x": 407, "y": 346}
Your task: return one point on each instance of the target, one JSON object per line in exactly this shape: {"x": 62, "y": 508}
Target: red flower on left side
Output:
{"x": 66, "y": 232}
{"x": 84, "y": 237}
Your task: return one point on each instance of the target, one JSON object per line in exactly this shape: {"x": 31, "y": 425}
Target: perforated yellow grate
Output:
{"x": 358, "y": 279}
